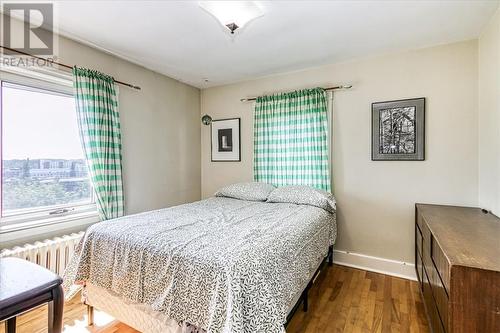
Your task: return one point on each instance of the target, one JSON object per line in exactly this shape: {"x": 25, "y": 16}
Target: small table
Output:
{"x": 24, "y": 286}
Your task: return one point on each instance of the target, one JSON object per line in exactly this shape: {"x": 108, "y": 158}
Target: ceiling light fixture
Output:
{"x": 233, "y": 14}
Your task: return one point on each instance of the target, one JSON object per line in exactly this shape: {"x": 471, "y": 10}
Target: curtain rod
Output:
{"x": 63, "y": 65}
{"x": 344, "y": 86}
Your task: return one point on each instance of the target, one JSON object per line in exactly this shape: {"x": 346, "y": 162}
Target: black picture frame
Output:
{"x": 409, "y": 129}
{"x": 228, "y": 127}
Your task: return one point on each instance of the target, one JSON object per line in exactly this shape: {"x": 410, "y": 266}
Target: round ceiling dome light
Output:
{"x": 233, "y": 15}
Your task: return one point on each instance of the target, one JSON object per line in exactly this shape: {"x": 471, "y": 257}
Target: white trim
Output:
{"x": 375, "y": 264}
{"x": 42, "y": 78}
{"x": 70, "y": 220}
{"x": 40, "y": 216}
{"x": 81, "y": 222}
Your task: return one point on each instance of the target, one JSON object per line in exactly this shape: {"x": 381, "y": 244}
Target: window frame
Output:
{"x": 40, "y": 216}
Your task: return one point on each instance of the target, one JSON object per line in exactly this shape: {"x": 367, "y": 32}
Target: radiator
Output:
{"x": 53, "y": 254}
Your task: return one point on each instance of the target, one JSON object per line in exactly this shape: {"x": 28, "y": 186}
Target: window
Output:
{"x": 43, "y": 167}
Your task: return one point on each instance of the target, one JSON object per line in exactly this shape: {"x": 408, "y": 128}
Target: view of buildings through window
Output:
{"x": 42, "y": 159}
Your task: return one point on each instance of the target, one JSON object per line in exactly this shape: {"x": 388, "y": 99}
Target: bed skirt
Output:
{"x": 144, "y": 319}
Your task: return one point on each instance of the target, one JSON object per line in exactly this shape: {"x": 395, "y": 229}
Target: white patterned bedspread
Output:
{"x": 223, "y": 265}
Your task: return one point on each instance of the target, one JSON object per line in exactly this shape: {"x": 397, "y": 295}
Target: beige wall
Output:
{"x": 375, "y": 199}
{"x": 160, "y": 130}
{"x": 489, "y": 116}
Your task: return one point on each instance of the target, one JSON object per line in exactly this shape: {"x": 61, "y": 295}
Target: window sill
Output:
{"x": 23, "y": 230}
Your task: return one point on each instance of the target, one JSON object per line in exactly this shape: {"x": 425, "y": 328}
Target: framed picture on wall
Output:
{"x": 226, "y": 140}
{"x": 398, "y": 130}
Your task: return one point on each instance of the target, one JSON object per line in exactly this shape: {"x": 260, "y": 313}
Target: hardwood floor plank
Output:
{"x": 343, "y": 299}
{"x": 369, "y": 309}
{"x": 338, "y": 316}
{"x": 387, "y": 311}
{"x": 379, "y": 282}
{"x": 353, "y": 312}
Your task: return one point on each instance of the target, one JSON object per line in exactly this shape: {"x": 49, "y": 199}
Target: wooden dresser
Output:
{"x": 457, "y": 256}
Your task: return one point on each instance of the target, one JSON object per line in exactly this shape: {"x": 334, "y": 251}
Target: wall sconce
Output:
{"x": 206, "y": 119}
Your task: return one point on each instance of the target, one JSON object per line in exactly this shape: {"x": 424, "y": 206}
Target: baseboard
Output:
{"x": 375, "y": 264}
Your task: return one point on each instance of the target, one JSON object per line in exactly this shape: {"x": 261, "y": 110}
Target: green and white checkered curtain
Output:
{"x": 291, "y": 139}
{"x": 99, "y": 125}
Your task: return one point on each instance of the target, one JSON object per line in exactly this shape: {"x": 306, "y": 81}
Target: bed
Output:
{"x": 217, "y": 265}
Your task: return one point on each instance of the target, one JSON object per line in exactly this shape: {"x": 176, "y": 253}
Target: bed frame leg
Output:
{"x": 330, "y": 255}
{"x": 90, "y": 315}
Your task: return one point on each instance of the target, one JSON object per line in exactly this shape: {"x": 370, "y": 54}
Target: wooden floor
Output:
{"x": 342, "y": 300}
{"x": 352, "y": 300}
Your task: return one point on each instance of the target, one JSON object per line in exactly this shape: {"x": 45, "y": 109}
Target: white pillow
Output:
{"x": 303, "y": 195}
{"x": 246, "y": 191}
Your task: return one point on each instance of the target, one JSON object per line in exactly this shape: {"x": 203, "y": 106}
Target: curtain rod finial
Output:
{"x": 347, "y": 86}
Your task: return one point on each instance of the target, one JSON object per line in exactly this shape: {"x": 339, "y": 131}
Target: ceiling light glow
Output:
{"x": 233, "y": 14}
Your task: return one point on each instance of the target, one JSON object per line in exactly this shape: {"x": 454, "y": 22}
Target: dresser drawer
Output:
{"x": 419, "y": 219}
{"x": 426, "y": 233}
{"x": 426, "y": 249}
{"x": 439, "y": 295}
{"x": 426, "y": 290}
{"x": 418, "y": 239}
{"x": 430, "y": 304}
{"x": 441, "y": 299}
{"x": 441, "y": 263}
{"x": 419, "y": 268}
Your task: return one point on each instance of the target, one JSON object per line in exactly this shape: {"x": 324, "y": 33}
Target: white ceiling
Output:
{"x": 179, "y": 39}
